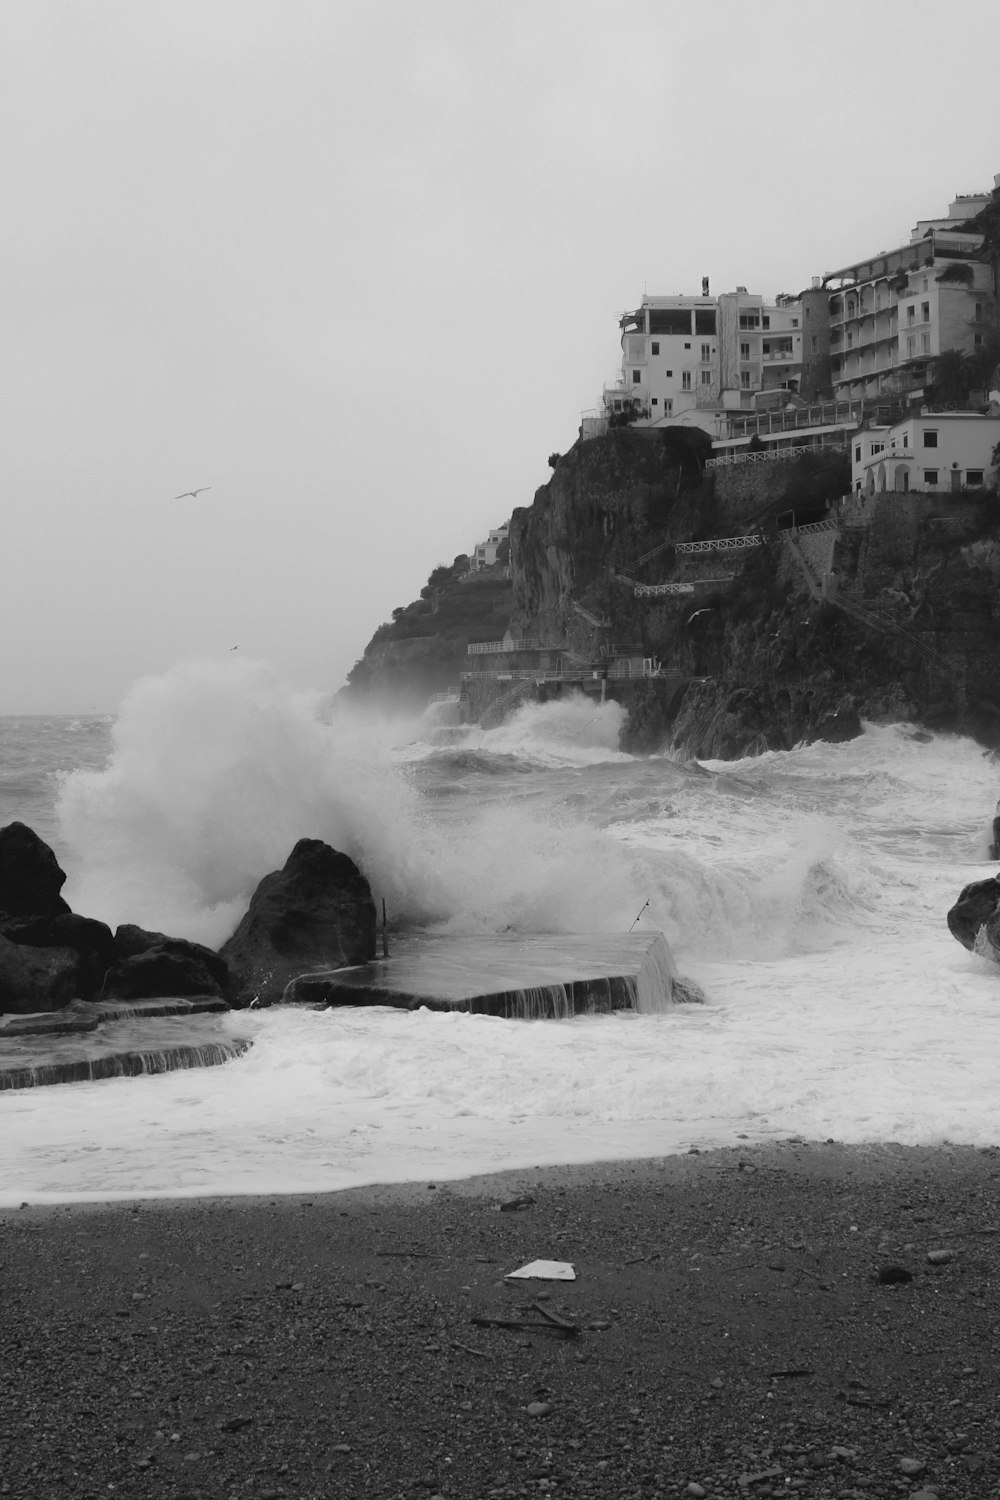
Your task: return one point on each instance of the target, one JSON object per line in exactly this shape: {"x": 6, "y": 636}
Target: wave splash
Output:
{"x": 217, "y": 769}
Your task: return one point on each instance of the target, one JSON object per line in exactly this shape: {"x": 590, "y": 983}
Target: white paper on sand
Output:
{"x": 545, "y": 1270}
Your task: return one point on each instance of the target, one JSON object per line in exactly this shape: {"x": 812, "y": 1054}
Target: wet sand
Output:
{"x": 731, "y": 1335}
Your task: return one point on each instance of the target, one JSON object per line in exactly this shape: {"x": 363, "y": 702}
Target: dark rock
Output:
{"x": 36, "y": 979}
{"x": 976, "y": 912}
{"x": 315, "y": 913}
{"x": 894, "y": 1275}
{"x": 89, "y": 939}
{"x": 131, "y": 941}
{"x": 159, "y": 971}
{"x": 30, "y": 877}
{"x": 839, "y": 727}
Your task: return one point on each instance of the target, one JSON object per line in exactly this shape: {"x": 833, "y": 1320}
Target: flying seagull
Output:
{"x": 193, "y": 493}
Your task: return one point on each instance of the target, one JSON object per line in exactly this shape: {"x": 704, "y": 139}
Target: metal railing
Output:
{"x": 720, "y": 544}
{"x": 764, "y": 456}
{"x": 492, "y": 648}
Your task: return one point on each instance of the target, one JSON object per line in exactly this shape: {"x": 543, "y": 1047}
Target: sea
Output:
{"x": 804, "y": 893}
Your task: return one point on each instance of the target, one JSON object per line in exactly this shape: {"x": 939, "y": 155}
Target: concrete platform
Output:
{"x": 518, "y": 976}
{"x": 117, "y": 1040}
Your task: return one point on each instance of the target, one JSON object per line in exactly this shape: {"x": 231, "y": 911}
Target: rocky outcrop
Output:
{"x": 50, "y": 956}
{"x": 150, "y": 964}
{"x": 975, "y": 918}
{"x": 36, "y": 979}
{"x": 91, "y": 941}
{"x": 30, "y": 877}
{"x": 315, "y": 913}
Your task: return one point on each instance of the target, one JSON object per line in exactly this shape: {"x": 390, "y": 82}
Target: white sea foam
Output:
{"x": 805, "y": 892}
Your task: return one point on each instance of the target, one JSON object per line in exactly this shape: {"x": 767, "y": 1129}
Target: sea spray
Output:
{"x": 216, "y": 770}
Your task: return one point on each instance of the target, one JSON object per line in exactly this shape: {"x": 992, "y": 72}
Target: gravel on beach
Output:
{"x": 803, "y": 1320}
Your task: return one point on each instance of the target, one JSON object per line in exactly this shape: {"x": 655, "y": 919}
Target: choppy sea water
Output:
{"x": 805, "y": 892}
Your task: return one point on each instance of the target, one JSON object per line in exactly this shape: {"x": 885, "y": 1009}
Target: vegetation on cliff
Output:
{"x": 422, "y": 649}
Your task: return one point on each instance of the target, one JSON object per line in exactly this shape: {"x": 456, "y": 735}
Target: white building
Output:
{"x": 691, "y": 360}
{"x": 942, "y": 451}
{"x": 892, "y": 313}
{"x": 484, "y": 554}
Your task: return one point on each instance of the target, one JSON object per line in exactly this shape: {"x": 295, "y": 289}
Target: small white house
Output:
{"x": 484, "y": 554}
{"x": 946, "y": 451}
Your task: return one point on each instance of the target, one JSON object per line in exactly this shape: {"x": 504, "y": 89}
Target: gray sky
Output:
{"x": 357, "y": 268}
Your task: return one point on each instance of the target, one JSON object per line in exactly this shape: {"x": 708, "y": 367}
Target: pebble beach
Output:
{"x": 793, "y": 1319}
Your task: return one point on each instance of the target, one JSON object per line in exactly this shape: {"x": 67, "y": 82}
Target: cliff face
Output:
{"x": 892, "y": 614}
{"x": 422, "y": 650}
{"x": 914, "y": 635}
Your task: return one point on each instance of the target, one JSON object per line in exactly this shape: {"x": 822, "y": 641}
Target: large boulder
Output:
{"x": 30, "y": 877}
{"x": 89, "y": 939}
{"x": 975, "y": 918}
{"x": 316, "y": 913}
{"x": 36, "y": 979}
{"x": 151, "y": 965}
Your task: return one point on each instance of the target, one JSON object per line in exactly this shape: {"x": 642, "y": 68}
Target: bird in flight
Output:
{"x": 193, "y": 493}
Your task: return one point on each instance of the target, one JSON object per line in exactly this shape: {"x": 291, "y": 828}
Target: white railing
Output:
{"x": 720, "y": 544}
{"x": 644, "y": 589}
{"x": 763, "y": 456}
{"x": 682, "y": 588}
{"x": 524, "y": 674}
{"x": 811, "y": 528}
{"x": 492, "y": 648}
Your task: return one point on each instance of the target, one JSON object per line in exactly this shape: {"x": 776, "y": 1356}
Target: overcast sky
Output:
{"x": 357, "y": 267}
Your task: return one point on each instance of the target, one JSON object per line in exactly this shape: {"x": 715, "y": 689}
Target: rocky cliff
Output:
{"x": 841, "y": 611}
{"x": 888, "y": 611}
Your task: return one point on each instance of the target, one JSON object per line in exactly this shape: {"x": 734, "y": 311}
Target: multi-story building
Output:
{"x": 691, "y": 360}
{"x": 892, "y": 313}
{"x": 807, "y": 370}
{"x": 941, "y": 451}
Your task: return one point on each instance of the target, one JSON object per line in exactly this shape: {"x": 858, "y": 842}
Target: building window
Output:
{"x": 925, "y": 312}
{"x": 687, "y": 346}
{"x": 704, "y": 320}
{"x": 930, "y": 478}
{"x": 744, "y": 351}
{"x": 930, "y": 438}
{"x": 654, "y": 348}
{"x": 668, "y": 406}
{"x": 979, "y": 313}
{"x": 706, "y": 353}
{"x": 636, "y": 376}
{"x": 669, "y": 320}
{"x": 906, "y": 439}
{"x": 911, "y": 314}
{"x": 706, "y": 377}
{"x": 669, "y": 374}
{"x": 815, "y": 343}
{"x": 857, "y": 454}
{"x": 911, "y": 347}
{"x": 654, "y": 401}
{"x": 685, "y": 380}
{"x": 925, "y": 343}
{"x": 749, "y": 317}
{"x": 974, "y": 478}
{"x": 977, "y": 340}
{"x": 795, "y": 322}
{"x": 744, "y": 380}
{"x": 765, "y": 321}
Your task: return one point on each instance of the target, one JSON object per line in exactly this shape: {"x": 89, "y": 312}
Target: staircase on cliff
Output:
{"x": 874, "y": 621}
